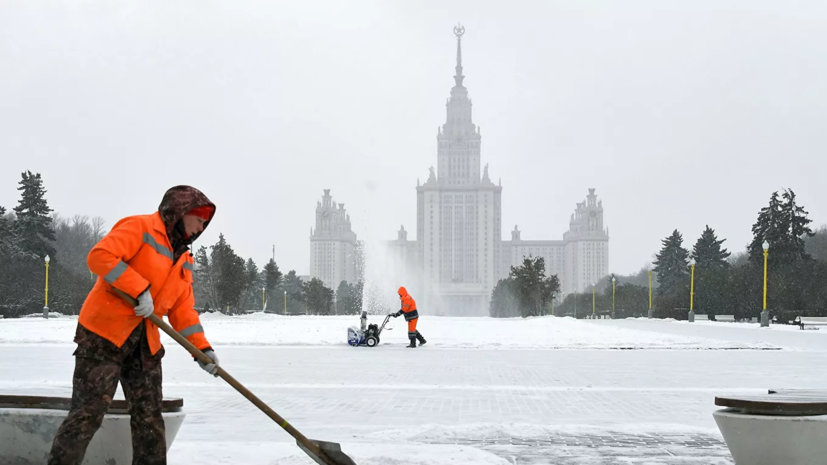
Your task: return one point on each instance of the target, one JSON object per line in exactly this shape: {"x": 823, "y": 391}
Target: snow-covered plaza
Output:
{"x": 482, "y": 391}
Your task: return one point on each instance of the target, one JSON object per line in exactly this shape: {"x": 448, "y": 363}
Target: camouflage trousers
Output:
{"x": 99, "y": 366}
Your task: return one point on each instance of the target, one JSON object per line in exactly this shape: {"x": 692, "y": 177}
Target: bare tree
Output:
{"x": 97, "y": 228}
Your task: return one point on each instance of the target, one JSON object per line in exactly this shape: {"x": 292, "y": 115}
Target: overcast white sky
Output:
{"x": 680, "y": 114}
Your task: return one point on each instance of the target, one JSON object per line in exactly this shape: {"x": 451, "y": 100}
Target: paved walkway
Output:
{"x": 520, "y": 406}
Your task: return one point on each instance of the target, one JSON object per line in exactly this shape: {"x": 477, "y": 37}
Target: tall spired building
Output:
{"x": 458, "y": 212}
{"x": 458, "y": 255}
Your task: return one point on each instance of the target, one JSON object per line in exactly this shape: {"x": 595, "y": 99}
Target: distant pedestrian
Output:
{"x": 411, "y": 316}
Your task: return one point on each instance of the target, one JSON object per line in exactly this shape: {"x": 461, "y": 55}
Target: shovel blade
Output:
{"x": 332, "y": 451}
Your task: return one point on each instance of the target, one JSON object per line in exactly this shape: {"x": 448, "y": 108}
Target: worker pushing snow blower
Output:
{"x": 411, "y": 316}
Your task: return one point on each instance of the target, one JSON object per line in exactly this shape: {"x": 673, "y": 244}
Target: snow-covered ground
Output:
{"x": 482, "y": 391}
{"x": 448, "y": 332}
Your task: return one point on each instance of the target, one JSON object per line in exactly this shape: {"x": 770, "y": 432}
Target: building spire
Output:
{"x": 459, "y": 30}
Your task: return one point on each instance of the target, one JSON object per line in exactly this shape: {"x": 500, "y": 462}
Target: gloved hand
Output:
{"x": 397, "y": 314}
{"x": 211, "y": 368}
{"x": 145, "y": 306}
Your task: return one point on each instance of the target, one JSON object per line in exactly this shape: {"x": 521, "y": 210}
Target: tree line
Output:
{"x": 726, "y": 283}
{"x": 225, "y": 282}
{"x": 222, "y": 280}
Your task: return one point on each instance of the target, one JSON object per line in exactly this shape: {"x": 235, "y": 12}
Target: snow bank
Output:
{"x": 443, "y": 332}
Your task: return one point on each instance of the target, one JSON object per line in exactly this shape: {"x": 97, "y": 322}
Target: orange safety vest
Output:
{"x": 134, "y": 256}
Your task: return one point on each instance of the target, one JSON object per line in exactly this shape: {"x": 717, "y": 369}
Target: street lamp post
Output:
{"x": 285, "y": 302}
{"x": 263, "y": 299}
{"x": 613, "y": 297}
{"x": 692, "y": 292}
{"x": 650, "y": 294}
{"x": 46, "y": 305}
{"x": 594, "y": 316}
{"x": 765, "y": 314}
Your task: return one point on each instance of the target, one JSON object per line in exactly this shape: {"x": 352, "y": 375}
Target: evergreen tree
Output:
{"x": 231, "y": 277}
{"x": 631, "y": 300}
{"x": 33, "y": 225}
{"x": 9, "y": 247}
{"x": 348, "y": 298}
{"x": 816, "y": 245}
{"x": 319, "y": 297}
{"x": 766, "y": 228}
{"x": 783, "y": 224}
{"x": 606, "y": 284}
{"x": 253, "y": 285}
{"x": 204, "y": 281}
{"x": 504, "y": 303}
{"x": 708, "y": 253}
{"x": 293, "y": 286}
{"x": 796, "y": 224}
{"x": 272, "y": 276}
{"x": 711, "y": 275}
{"x": 342, "y": 297}
{"x": 671, "y": 265}
{"x": 528, "y": 279}
{"x": 22, "y": 274}
{"x": 252, "y": 272}
{"x": 532, "y": 288}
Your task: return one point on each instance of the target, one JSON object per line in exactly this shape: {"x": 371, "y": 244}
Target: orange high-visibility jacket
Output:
{"x": 408, "y": 305}
{"x": 134, "y": 256}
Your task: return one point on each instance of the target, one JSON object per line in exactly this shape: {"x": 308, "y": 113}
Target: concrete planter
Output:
{"x": 29, "y": 424}
{"x": 755, "y": 439}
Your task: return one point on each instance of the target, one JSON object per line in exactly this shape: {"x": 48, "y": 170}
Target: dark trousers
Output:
{"x": 99, "y": 366}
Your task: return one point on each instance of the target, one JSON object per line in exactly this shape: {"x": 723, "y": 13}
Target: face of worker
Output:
{"x": 193, "y": 224}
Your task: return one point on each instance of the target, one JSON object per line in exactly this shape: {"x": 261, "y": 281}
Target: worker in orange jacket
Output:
{"x": 148, "y": 258}
{"x": 411, "y": 316}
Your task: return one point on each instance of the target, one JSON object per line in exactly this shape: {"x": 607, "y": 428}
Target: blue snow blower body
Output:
{"x": 368, "y": 334}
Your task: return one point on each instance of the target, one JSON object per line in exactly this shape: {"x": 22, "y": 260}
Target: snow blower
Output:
{"x": 368, "y": 334}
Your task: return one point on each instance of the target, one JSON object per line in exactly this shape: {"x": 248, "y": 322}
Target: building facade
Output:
{"x": 332, "y": 244}
{"x": 458, "y": 254}
{"x": 579, "y": 260}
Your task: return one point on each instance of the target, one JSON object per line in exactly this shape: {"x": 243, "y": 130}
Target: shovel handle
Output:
{"x": 300, "y": 438}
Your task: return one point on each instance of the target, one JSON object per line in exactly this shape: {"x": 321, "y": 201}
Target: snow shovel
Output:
{"x": 323, "y": 452}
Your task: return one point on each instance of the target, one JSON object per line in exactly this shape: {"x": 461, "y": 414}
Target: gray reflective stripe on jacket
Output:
{"x": 194, "y": 329}
{"x": 116, "y": 272}
{"x": 160, "y": 248}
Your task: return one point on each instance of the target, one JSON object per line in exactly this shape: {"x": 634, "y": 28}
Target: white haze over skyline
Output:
{"x": 679, "y": 114}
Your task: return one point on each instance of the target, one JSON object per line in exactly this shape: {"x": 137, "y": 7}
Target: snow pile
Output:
{"x": 445, "y": 332}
